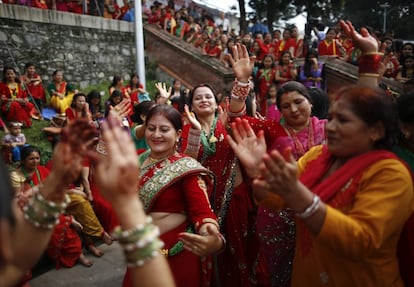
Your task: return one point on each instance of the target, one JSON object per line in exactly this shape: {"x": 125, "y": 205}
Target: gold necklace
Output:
{"x": 152, "y": 160}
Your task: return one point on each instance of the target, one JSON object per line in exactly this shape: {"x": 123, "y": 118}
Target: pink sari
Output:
{"x": 277, "y": 228}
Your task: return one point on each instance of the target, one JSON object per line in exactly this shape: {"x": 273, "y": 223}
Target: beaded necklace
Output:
{"x": 300, "y": 149}
{"x": 28, "y": 178}
{"x": 209, "y": 146}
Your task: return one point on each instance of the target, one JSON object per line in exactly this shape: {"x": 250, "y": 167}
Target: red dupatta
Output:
{"x": 345, "y": 178}
{"x": 156, "y": 177}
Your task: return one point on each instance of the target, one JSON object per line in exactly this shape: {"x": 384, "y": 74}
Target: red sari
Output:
{"x": 328, "y": 49}
{"x": 264, "y": 79}
{"x": 13, "y": 110}
{"x": 65, "y": 246}
{"x": 178, "y": 185}
{"x": 103, "y": 209}
{"x": 277, "y": 228}
{"x": 35, "y": 88}
{"x": 241, "y": 263}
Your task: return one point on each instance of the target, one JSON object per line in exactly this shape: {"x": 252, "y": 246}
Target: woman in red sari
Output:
{"x": 265, "y": 77}
{"x": 240, "y": 264}
{"x": 174, "y": 191}
{"x": 331, "y": 45}
{"x": 33, "y": 83}
{"x": 65, "y": 246}
{"x": 286, "y": 70}
{"x": 14, "y": 102}
{"x": 79, "y": 108}
{"x": 351, "y": 197}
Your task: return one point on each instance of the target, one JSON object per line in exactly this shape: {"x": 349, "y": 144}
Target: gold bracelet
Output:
{"x": 369, "y": 75}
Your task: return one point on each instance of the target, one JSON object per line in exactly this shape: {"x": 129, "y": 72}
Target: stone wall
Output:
{"x": 182, "y": 61}
{"x": 91, "y": 50}
{"x": 88, "y": 49}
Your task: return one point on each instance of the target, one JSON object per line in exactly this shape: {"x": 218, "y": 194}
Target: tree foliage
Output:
{"x": 400, "y": 14}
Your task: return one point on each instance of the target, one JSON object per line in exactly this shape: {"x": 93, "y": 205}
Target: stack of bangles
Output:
{"x": 44, "y": 213}
{"x": 140, "y": 243}
{"x": 239, "y": 93}
{"x": 369, "y": 64}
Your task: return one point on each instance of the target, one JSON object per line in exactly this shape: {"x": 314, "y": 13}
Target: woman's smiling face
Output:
{"x": 204, "y": 102}
{"x": 161, "y": 136}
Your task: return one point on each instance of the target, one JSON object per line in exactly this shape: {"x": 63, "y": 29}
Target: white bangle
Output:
{"x": 311, "y": 209}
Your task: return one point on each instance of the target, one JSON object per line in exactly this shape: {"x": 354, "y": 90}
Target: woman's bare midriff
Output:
{"x": 167, "y": 221}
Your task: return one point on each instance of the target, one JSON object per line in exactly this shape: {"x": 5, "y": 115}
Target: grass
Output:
{"x": 35, "y": 136}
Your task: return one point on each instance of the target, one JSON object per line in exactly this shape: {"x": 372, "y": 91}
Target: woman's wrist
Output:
{"x": 43, "y": 212}
{"x": 130, "y": 212}
{"x": 53, "y": 188}
{"x": 369, "y": 64}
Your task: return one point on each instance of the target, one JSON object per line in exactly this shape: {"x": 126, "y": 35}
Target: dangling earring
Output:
{"x": 177, "y": 142}
{"x": 407, "y": 135}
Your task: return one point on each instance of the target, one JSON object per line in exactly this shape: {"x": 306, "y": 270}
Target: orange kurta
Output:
{"x": 357, "y": 243}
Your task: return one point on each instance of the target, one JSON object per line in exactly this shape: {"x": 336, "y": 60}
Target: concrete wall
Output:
{"x": 88, "y": 49}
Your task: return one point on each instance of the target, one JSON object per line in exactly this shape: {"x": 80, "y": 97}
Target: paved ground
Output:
{"x": 107, "y": 271}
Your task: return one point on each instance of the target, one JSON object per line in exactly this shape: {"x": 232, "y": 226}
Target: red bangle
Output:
{"x": 369, "y": 63}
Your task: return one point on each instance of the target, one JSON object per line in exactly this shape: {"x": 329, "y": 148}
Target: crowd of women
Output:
{"x": 230, "y": 197}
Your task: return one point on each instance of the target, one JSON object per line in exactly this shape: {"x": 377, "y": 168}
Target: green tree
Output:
{"x": 399, "y": 19}
{"x": 400, "y": 14}
{"x": 275, "y": 10}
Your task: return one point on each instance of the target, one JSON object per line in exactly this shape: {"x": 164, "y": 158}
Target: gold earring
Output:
{"x": 407, "y": 135}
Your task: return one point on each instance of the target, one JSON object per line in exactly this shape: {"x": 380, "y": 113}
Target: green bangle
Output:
{"x": 44, "y": 213}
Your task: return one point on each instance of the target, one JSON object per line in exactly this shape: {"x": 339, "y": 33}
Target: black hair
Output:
{"x": 94, "y": 94}
{"x": 291, "y": 86}
{"x": 405, "y": 107}
{"x": 320, "y": 102}
{"x": 307, "y": 66}
{"x": 27, "y": 151}
{"x": 373, "y": 106}
{"x": 115, "y": 80}
{"x": 141, "y": 109}
{"x": 29, "y": 64}
{"x": 171, "y": 114}
{"x": 4, "y": 73}
{"x": 75, "y": 98}
{"x": 191, "y": 96}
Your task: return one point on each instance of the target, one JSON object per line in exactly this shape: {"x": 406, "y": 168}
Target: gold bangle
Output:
{"x": 373, "y": 75}
{"x": 373, "y": 53}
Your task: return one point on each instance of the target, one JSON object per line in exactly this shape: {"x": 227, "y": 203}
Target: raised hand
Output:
{"x": 241, "y": 63}
{"x": 162, "y": 88}
{"x": 248, "y": 147}
{"x": 195, "y": 124}
{"x": 363, "y": 40}
{"x": 120, "y": 110}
